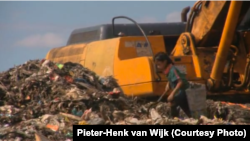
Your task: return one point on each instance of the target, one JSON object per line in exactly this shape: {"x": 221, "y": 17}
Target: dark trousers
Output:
{"x": 180, "y": 99}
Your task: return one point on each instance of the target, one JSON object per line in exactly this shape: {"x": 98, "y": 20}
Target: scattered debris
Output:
{"x": 41, "y": 100}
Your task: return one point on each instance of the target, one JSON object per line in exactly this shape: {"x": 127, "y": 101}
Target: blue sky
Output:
{"x": 28, "y": 30}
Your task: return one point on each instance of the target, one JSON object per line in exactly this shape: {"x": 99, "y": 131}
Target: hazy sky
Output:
{"x": 28, "y": 30}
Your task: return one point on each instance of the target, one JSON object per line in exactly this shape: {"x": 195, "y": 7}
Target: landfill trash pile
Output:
{"x": 42, "y": 98}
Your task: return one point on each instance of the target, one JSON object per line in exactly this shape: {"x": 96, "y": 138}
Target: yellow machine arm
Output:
{"x": 207, "y": 20}
{"x": 213, "y": 39}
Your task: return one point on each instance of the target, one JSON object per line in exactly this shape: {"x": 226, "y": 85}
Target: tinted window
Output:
{"x": 84, "y": 37}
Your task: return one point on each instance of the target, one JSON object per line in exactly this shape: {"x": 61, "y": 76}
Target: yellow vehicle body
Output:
{"x": 120, "y": 58}
{"x": 202, "y": 53}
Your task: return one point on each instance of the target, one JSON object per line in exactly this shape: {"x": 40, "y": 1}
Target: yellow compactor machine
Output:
{"x": 212, "y": 47}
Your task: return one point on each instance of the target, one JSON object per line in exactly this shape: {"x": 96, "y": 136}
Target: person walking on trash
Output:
{"x": 176, "y": 81}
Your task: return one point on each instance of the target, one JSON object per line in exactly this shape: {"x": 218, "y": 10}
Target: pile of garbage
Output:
{"x": 43, "y": 98}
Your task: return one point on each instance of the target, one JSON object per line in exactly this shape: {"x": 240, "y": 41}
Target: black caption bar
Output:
{"x": 167, "y": 131}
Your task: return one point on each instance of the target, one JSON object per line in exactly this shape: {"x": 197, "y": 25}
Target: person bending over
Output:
{"x": 177, "y": 82}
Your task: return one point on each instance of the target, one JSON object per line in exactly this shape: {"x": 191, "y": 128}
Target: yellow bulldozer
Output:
{"x": 211, "y": 46}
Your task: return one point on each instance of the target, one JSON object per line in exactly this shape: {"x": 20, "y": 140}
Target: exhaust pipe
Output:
{"x": 184, "y": 14}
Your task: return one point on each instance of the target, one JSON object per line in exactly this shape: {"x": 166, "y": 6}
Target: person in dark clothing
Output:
{"x": 177, "y": 82}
